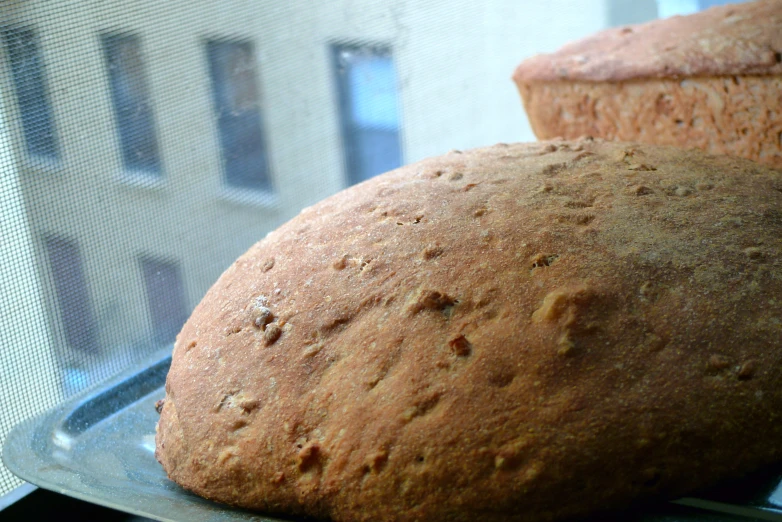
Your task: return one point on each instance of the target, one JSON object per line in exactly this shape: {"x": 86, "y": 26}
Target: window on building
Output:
{"x": 29, "y": 80}
{"x": 72, "y": 294}
{"x": 369, "y": 110}
{"x": 235, "y": 93}
{"x": 165, "y": 298}
{"x": 132, "y": 103}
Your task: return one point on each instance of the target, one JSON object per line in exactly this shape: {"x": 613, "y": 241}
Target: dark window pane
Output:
{"x": 369, "y": 110}
{"x": 73, "y": 299}
{"x": 165, "y": 297}
{"x": 236, "y": 104}
{"x": 30, "y": 84}
{"x": 132, "y": 103}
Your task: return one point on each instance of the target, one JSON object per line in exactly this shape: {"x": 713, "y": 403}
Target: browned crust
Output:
{"x": 740, "y": 116}
{"x": 521, "y": 332}
{"x": 722, "y": 41}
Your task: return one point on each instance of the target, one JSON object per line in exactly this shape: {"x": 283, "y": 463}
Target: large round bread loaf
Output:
{"x": 711, "y": 80}
{"x": 520, "y": 332}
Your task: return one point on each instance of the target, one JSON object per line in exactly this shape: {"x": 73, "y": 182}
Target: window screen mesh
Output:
{"x": 144, "y": 145}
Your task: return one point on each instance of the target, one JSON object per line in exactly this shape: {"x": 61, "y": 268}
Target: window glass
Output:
{"x": 28, "y": 73}
{"x": 73, "y": 299}
{"x": 132, "y": 103}
{"x": 235, "y": 97}
{"x": 369, "y": 110}
{"x": 165, "y": 298}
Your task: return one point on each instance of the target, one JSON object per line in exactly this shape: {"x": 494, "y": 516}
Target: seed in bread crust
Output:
{"x": 460, "y": 346}
{"x": 271, "y": 334}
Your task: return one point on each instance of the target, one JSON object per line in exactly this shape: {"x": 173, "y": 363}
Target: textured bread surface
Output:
{"x": 709, "y": 80}
{"x": 740, "y": 116}
{"x": 521, "y": 332}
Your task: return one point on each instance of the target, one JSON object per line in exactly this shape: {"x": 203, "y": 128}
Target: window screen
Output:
{"x": 145, "y": 145}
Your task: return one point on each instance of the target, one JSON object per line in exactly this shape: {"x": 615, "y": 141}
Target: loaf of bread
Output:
{"x": 711, "y": 80}
{"x": 520, "y": 332}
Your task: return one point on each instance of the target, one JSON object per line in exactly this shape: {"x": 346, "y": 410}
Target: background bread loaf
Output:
{"x": 520, "y": 332}
{"x": 712, "y": 80}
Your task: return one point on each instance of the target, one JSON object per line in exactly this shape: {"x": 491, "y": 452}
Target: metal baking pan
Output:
{"x": 99, "y": 447}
